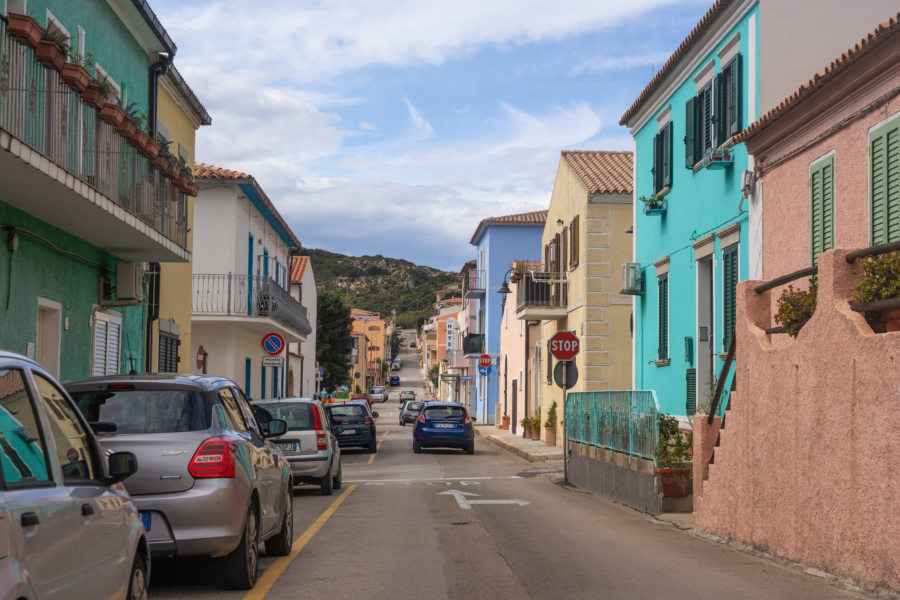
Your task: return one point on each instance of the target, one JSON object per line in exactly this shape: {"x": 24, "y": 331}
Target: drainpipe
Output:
{"x": 527, "y": 377}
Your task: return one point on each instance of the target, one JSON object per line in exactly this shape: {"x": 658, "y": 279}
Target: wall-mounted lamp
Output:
{"x": 504, "y": 287}
{"x": 559, "y": 222}
{"x": 630, "y": 229}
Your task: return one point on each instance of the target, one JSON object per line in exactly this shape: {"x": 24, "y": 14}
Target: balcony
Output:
{"x": 473, "y": 345}
{"x": 60, "y": 163}
{"x": 254, "y": 302}
{"x": 542, "y": 296}
{"x": 474, "y": 285}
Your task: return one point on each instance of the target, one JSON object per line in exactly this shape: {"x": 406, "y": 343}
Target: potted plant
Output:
{"x": 879, "y": 289}
{"x": 718, "y": 158}
{"x": 654, "y": 205}
{"x": 526, "y": 427}
{"x": 75, "y": 74}
{"x": 24, "y": 28}
{"x": 673, "y": 458}
{"x": 112, "y": 113}
{"x": 536, "y": 425}
{"x": 550, "y": 425}
{"x": 796, "y": 307}
{"x": 52, "y": 50}
{"x": 504, "y": 422}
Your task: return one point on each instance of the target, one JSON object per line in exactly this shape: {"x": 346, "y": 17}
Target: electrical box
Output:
{"x": 632, "y": 279}
{"x": 129, "y": 281}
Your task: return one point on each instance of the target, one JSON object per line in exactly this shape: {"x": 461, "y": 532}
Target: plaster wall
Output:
{"x": 806, "y": 465}
{"x": 512, "y": 369}
{"x": 306, "y": 377}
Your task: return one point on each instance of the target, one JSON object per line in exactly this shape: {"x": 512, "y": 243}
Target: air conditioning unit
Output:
{"x": 129, "y": 281}
{"x": 632, "y": 279}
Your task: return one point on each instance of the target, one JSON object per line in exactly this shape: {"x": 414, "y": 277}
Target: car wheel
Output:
{"x": 280, "y": 543}
{"x": 470, "y": 448}
{"x": 417, "y": 449}
{"x": 402, "y": 423}
{"x": 242, "y": 565}
{"x": 137, "y": 583}
{"x": 327, "y": 483}
{"x": 337, "y": 478}
{"x": 373, "y": 446}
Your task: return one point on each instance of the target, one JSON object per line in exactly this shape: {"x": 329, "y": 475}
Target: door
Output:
{"x": 705, "y": 334}
{"x": 515, "y": 406}
{"x": 49, "y": 325}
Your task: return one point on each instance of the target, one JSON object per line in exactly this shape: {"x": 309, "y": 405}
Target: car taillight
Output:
{"x": 321, "y": 443}
{"x": 421, "y": 418}
{"x": 468, "y": 419}
{"x": 369, "y": 420}
{"x": 214, "y": 458}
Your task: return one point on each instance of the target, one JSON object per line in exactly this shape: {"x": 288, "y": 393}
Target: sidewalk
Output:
{"x": 530, "y": 450}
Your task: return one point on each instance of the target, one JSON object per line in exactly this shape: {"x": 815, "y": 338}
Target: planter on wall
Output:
{"x": 76, "y": 77}
{"x": 50, "y": 55}
{"x": 551, "y": 436}
{"x": 673, "y": 482}
{"x": 891, "y": 318}
{"x": 112, "y": 114}
{"x": 126, "y": 127}
{"x": 655, "y": 208}
{"x": 158, "y": 161}
{"x": 25, "y": 29}
{"x": 718, "y": 159}
{"x": 890, "y": 312}
{"x": 93, "y": 95}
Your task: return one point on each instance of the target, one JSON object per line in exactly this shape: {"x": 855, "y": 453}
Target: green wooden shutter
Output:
{"x": 884, "y": 179}
{"x": 689, "y": 133}
{"x": 663, "y": 299}
{"x": 720, "y": 116}
{"x": 707, "y": 118}
{"x": 691, "y": 403}
{"x": 736, "y": 86}
{"x": 821, "y": 209}
{"x": 657, "y": 163}
{"x": 729, "y": 290}
{"x": 667, "y": 155}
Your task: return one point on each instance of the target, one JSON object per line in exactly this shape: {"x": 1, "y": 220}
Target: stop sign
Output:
{"x": 564, "y": 345}
{"x": 484, "y": 360}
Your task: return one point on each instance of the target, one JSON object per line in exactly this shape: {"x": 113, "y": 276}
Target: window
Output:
{"x": 107, "y": 334}
{"x": 662, "y": 159}
{"x": 103, "y": 76}
{"x": 662, "y": 283}
{"x": 23, "y": 455}
{"x": 573, "y": 241}
{"x": 73, "y": 444}
{"x": 884, "y": 182}
{"x": 728, "y": 85}
{"x": 146, "y": 410}
{"x": 168, "y": 352}
{"x": 698, "y": 126}
{"x": 245, "y": 407}
{"x": 729, "y": 289}
{"x": 821, "y": 209}
{"x": 690, "y": 405}
{"x": 231, "y": 409}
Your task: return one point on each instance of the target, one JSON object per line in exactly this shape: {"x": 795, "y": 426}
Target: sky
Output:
{"x": 394, "y": 127}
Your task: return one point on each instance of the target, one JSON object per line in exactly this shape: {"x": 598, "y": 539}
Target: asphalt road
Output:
{"x": 403, "y": 527}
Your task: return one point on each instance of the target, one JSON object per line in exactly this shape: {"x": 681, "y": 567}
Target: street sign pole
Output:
{"x": 565, "y": 426}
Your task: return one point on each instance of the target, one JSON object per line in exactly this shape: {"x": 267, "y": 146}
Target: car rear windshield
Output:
{"x": 339, "y": 412}
{"x": 299, "y": 416}
{"x": 414, "y": 405}
{"x": 146, "y": 411}
{"x": 378, "y": 389}
{"x": 444, "y": 412}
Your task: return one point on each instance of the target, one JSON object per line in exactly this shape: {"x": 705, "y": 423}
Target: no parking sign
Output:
{"x": 273, "y": 343}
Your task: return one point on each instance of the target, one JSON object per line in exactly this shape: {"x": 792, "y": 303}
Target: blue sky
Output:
{"x": 394, "y": 127}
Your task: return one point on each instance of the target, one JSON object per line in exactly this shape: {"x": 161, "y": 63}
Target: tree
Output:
{"x": 333, "y": 340}
{"x": 395, "y": 344}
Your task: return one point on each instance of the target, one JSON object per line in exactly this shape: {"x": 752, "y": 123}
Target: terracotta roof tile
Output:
{"x": 703, "y": 26}
{"x": 211, "y": 172}
{"x": 537, "y": 217}
{"x": 600, "y": 171}
{"x": 298, "y": 268}
{"x": 882, "y": 34}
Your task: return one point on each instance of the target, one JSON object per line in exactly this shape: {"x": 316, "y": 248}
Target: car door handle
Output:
{"x": 87, "y": 510}
{"x": 29, "y": 519}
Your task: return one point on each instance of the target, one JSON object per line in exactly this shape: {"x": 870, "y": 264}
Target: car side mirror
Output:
{"x": 375, "y": 414}
{"x": 122, "y": 465}
{"x": 276, "y": 427}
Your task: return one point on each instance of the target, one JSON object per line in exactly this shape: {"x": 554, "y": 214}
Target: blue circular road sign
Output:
{"x": 273, "y": 343}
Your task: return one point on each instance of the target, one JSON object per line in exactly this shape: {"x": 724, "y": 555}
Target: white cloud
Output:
{"x": 620, "y": 63}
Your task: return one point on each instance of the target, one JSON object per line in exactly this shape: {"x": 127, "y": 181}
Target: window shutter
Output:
{"x": 574, "y": 240}
{"x": 565, "y": 259}
{"x": 667, "y": 155}
{"x": 729, "y": 283}
{"x": 99, "y": 367}
{"x": 689, "y": 133}
{"x": 549, "y": 364}
{"x": 720, "y": 116}
{"x": 821, "y": 197}
{"x": 707, "y": 119}
{"x": 663, "y": 299}
{"x": 884, "y": 165}
{"x": 691, "y": 384}
{"x": 657, "y": 169}
{"x": 736, "y": 86}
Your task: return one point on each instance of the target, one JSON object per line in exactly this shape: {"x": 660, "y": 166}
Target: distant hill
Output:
{"x": 380, "y": 284}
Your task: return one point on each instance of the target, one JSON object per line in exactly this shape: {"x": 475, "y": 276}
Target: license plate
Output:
{"x": 145, "y": 519}
{"x": 349, "y": 432}
{"x": 445, "y": 425}
{"x": 289, "y": 446}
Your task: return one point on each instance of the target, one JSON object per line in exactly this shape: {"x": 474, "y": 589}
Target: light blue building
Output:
{"x": 498, "y": 242}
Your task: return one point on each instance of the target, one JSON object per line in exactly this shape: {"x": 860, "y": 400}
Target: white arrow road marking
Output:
{"x": 466, "y": 503}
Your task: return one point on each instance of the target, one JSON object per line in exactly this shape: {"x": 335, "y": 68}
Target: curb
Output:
{"x": 517, "y": 450}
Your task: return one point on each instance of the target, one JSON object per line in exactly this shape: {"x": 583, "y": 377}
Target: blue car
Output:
{"x": 444, "y": 425}
{"x": 395, "y": 380}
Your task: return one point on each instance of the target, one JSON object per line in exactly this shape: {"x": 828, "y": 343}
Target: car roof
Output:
{"x": 285, "y": 401}
{"x": 161, "y": 380}
{"x": 15, "y": 356}
{"x": 353, "y": 402}
{"x": 442, "y": 403}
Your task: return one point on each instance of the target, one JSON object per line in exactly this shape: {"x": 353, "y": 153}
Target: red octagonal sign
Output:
{"x": 484, "y": 360}
{"x": 564, "y": 345}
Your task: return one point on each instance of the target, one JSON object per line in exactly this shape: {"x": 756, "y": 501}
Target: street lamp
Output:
{"x": 504, "y": 287}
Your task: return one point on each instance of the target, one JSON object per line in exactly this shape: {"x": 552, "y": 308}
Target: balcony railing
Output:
{"x": 474, "y": 285}
{"x": 546, "y": 292}
{"x": 473, "y": 343}
{"x": 39, "y": 109}
{"x": 623, "y": 421}
{"x": 251, "y": 296}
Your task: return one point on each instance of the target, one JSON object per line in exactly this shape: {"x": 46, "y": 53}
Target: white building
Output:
{"x": 241, "y": 282}
{"x": 302, "y": 359}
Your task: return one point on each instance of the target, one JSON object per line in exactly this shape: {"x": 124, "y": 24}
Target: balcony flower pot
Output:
{"x": 879, "y": 289}
{"x": 75, "y": 76}
{"x": 180, "y": 178}
{"x": 139, "y": 139}
{"x": 673, "y": 482}
{"x": 93, "y": 95}
{"x": 718, "y": 158}
{"x": 126, "y": 127}
{"x": 112, "y": 114}
{"x": 158, "y": 161}
{"x": 654, "y": 205}
{"x": 50, "y": 55}
{"x": 25, "y": 29}
{"x": 194, "y": 189}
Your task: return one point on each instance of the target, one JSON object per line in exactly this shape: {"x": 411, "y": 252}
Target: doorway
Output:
{"x": 705, "y": 333}
{"x": 49, "y": 326}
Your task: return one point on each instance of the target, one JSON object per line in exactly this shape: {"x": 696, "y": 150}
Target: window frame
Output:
{"x": 662, "y": 316}
{"x": 882, "y": 131}
{"x": 52, "y": 480}
{"x": 109, "y": 317}
{"x": 729, "y": 298}
{"x": 823, "y": 168}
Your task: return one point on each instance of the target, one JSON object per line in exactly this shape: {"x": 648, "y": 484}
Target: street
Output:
{"x": 446, "y": 525}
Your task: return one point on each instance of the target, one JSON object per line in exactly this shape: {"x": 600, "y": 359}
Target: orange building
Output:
{"x": 373, "y": 328}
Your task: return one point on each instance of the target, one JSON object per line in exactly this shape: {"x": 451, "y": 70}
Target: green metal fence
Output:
{"x": 624, "y": 421}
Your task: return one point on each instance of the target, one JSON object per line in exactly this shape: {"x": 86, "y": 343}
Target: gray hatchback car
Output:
{"x": 309, "y": 444}
{"x": 210, "y": 482}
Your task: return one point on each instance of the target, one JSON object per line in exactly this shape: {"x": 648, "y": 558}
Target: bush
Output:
{"x": 796, "y": 307}
{"x": 673, "y": 448}
{"x": 882, "y": 280}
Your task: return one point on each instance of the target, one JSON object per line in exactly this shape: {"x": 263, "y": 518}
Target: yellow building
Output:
{"x": 358, "y": 361}
{"x": 585, "y": 240}
{"x": 374, "y": 328}
{"x": 169, "y": 347}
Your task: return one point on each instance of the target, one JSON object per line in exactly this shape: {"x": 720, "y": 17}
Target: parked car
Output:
{"x": 444, "y": 425}
{"x": 210, "y": 482}
{"x": 407, "y": 395}
{"x": 395, "y": 380}
{"x": 363, "y": 397}
{"x": 379, "y": 393}
{"x": 354, "y": 424}
{"x": 69, "y": 528}
{"x": 396, "y": 365}
{"x": 310, "y": 444}
{"x": 410, "y": 412}
{"x": 412, "y": 344}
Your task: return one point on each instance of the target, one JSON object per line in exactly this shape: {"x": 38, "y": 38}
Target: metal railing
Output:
{"x": 39, "y": 109}
{"x": 622, "y": 421}
{"x": 542, "y": 289}
{"x": 474, "y": 281}
{"x": 248, "y": 295}
{"x": 473, "y": 343}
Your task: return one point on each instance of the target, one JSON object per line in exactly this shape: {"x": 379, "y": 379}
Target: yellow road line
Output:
{"x": 378, "y": 448}
{"x": 278, "y": 568}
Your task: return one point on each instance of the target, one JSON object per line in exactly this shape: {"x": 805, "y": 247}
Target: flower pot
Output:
{"x": 527, "y": 432}
{"x": 891, "y": 319}
{"x": 655, "y": 208}
{"x": 194, "y": 189}
{"x": 158, "y": 161}
{"x": 50, "y": 55}
{"x": 93, "y": 95}
{"x": 536, "y": 433}
{"x": 550, "y": 438}
{"x": 25, "y": 29}
{"x": 112, "y": 114}
{"x": 180, "y": 178}
{"x": 126, "y": 127}
{"x": 673, "y": 482}
{"x": 75, "y": 76}
{"x": 139, "y": 139}
{"x": 504, "y": 423}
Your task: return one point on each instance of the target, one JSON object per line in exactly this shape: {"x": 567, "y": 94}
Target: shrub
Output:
{"x": 796, "y": 307}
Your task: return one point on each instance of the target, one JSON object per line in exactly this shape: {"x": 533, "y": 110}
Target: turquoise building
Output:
{"x": 691, "y": 230}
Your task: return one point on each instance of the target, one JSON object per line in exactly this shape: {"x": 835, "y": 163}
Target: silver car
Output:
{"x": 210, "y": 483}
{"x": 68, "y": 528}
{"x": 309, "y": 444}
